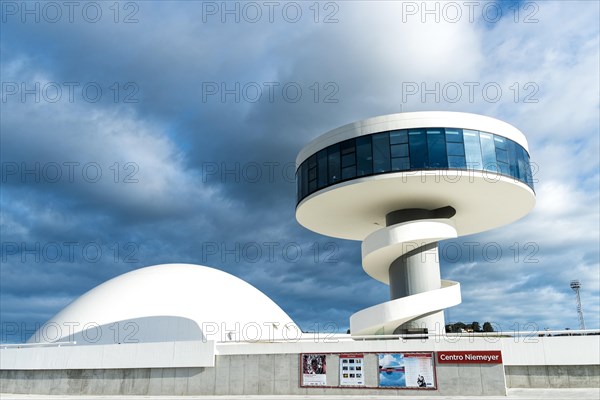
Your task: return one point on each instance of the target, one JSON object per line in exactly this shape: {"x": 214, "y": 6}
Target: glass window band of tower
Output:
{"x": 413, "y": 150}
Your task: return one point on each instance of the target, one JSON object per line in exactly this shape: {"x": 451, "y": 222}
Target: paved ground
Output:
{"x": 521, "y": 394}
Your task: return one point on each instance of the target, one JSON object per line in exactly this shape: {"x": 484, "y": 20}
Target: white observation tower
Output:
{"x": 402, "y": 182}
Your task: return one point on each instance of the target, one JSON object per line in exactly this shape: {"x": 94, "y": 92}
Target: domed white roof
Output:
{"x": 170, "y": 302}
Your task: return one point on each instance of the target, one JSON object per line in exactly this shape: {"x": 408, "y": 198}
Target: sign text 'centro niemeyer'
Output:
{"x": 469, "y": 357}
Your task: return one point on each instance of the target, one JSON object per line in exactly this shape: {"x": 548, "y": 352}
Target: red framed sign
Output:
{"x": 469, "y": 357}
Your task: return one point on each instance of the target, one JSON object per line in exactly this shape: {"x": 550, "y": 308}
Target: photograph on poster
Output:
{"x": 351, "y": 370}
{"x": 406, "y": 370}
{"x": 314, "y": 369}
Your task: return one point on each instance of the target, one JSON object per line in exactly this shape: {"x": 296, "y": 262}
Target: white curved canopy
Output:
{"x": 170, "y": 302}
{"x": 408, "y": 120}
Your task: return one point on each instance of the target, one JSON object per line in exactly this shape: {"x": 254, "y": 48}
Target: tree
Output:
{"x": 474, "y": 326}
{"x": 487, "y": 327}
{"x": 458, "y": 326}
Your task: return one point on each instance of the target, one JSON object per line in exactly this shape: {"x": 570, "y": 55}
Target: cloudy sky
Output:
{"x": 159, "y": 131}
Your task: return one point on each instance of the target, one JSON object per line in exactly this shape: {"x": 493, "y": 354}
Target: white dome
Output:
{"x": 169, "y": 302}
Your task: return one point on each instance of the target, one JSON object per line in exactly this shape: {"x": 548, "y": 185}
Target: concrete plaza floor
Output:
{"x": 521, "y": 394}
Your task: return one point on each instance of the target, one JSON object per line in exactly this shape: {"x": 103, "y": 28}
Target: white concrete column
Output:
{"x": 415, "y": 272}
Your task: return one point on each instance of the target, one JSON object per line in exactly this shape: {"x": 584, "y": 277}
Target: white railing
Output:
{"x": 29, "y": 345}
{"x": 451, "y": 337}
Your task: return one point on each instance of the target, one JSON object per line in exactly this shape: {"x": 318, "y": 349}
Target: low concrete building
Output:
{"x": 131, "y": 350}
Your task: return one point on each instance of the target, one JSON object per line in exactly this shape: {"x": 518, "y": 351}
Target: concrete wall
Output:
{"x": 553, "y": 376}
{"x": 271, "y": 374}
{"x": 273, "y": 368}
{"x": 257, "y": 374}
{"x": 555, "y": 350}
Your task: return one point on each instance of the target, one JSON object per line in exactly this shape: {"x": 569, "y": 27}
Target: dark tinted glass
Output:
{"x": 312, "y": 186}
{"x": 347, "y": 146}
{"x": 523, "y": 161}
{"x": 413, "y": 150}
{"x": 454, "y": 135}
{"x": 381, "y": 152}
{"x": 299, "y": 185}
{"x": 418, "y": 149}
{"x": 501, "y": 155}
{"x": 397, "y": 137}
{"x": 436, "y": 147}
{"x": 472, "y": 150}
{"x": 333, "y": 164}
{"x": 529, "y": 171}
{"x": 503, "y": 168}
{"x": 312, "y": 174}
{"x": 455, "y": 149}
{"x": 347, "y": 160}
{"x": 322, "y": 169}
{"x": 400, "y": 164}
{"x": 364, "y": 156}
{"x": 488, "y": 151}
{"x": 399, "y": 150}
{"x": 349, "y": 172}
{"x": 304, "y": 177}
{"x": 500, "y": 142}
{"x": 458, "y": 162}
{"x": 511, "y": 152}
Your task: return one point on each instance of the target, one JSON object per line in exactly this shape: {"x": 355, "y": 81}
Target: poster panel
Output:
{"x": 352, "y": 370}
{"x": 314, "y": 369}
{"x": 407, "y": 370}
